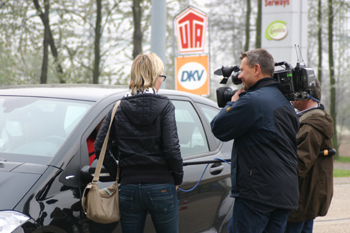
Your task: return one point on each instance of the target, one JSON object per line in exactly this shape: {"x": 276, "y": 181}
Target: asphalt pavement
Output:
{"x": 337, "y": 219}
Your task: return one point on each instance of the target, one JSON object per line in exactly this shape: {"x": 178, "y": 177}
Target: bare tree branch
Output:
{"x": 80, "y": 16}
{"x": 72, "y": 57}
{"x": 109, "y": 14}
{"x": 51, "y": 40}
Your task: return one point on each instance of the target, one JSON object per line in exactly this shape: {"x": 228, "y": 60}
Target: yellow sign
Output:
{"x": 192, "y": 74}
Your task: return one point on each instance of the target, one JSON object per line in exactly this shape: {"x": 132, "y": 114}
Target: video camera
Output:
{"x": 296, "y": 83}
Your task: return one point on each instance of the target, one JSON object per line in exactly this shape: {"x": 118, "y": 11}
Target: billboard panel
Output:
{"x": 284, "y": 25}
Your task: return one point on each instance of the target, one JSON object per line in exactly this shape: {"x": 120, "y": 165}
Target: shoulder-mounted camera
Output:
{"x": 296, "y": 83}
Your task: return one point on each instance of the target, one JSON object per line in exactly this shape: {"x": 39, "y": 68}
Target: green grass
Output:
{"x": 341, "y": 173}
{"x": 344, "y": 159}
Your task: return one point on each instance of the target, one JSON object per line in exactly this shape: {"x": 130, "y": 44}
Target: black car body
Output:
{"x": 44, "y": 161}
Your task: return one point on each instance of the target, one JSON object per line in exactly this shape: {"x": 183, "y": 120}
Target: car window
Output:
{"x": 210, "y": 113}
{"x": 73, "y": 115}
{"x": 37, "y": 126}
{"x": 190, "y": 130}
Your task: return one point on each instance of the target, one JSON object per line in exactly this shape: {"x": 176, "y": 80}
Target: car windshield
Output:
{"x": 37, "y": 126}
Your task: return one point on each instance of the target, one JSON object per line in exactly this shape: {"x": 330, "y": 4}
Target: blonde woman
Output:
{"x": 144, "y": 130}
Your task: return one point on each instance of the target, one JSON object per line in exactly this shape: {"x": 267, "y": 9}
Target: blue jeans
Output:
{"x": 160, "y": 200}
{"x": 254, "y": 217}
{"x": 300, "y": 227}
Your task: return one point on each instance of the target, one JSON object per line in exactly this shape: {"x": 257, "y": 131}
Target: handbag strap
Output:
{"x": 104, "y": 148}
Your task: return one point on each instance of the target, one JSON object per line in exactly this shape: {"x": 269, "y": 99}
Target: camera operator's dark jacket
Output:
{"x": 145, "y": 133}
{"x": 264, "y": 126}
{"x": 315, "y": 171}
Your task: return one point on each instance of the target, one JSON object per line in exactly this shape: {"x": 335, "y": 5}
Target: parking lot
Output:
{"x": 338, "y": 217}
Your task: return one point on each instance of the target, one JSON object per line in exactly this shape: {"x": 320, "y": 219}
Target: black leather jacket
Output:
{"x": 144, "y": 134}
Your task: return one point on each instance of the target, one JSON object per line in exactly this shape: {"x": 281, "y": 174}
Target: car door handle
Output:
{"x": 216, "y": 168}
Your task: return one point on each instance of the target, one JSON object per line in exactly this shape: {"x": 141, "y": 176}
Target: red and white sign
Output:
{"x": 276, "y": 2}
{"x": 191, "y": 27}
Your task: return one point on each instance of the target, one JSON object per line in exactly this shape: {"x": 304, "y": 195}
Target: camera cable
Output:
{"x": 189, "y": 190}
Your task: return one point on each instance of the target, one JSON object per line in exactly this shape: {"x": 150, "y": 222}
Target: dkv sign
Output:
{"x": 191, "y": 72}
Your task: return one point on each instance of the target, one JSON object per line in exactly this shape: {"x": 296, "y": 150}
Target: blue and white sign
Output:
{"x": 192, "y": 75}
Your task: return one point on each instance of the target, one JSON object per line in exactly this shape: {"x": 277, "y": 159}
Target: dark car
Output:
{"x": 44, "y": 158}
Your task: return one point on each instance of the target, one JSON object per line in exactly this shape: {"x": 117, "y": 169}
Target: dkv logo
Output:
{"x": 192, "y": 75}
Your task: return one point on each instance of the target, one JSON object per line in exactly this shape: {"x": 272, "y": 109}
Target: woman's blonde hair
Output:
{"x": 145, "y": 71}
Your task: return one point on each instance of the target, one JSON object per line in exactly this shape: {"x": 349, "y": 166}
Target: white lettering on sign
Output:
{"x": 191, "y": 30}
{"x": 192, "y": 75}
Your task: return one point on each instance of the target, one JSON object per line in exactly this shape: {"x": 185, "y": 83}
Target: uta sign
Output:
{"x": 191, "y": 26}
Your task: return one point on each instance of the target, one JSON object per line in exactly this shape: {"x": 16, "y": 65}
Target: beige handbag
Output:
{"x": 102, "y": 205}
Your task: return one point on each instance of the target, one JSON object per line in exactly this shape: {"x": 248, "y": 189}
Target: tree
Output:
{"x": 247, "y": 27}
{"x": 21, "y": 61}
{"x": 96, "y": 72}
{"x": 7, "y": 74}
{"x": 48, "y": 39}
{"x": 319, "y": 35}
{"x": 43, "y": 77}
{"x": 99, "y": 28}
{"x": 258, "y": 25}
{"x": 99, "y": 42}
{"x": 226, "y": 26}
{"x": 137, "y": 36}
{"x": 341, "y": 40}
{"x": 333, "y": 112}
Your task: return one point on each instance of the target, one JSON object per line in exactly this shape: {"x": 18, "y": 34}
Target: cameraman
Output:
{"x": 315, "y": 172}
{"x": 263, "y": 163}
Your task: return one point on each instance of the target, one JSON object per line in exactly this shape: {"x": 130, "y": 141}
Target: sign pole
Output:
{"x": 158, "y": 31}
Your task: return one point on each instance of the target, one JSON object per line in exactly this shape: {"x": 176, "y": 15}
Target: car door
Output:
{"x": 203, "y": 207}
{"x": 60, "y": 198}
{"x": 85, "y": 135}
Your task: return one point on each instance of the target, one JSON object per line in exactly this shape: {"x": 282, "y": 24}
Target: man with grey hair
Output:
{"x": 264, "y": 126}
{"x": 315, "y": 172}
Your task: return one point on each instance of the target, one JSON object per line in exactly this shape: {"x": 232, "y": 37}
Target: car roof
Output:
{"x": 89, "y": 92}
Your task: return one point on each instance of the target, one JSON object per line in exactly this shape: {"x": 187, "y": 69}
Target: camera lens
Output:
{"x": 224, "y": 95}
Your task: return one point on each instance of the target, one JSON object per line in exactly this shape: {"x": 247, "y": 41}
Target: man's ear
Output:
{"x": 257, "y": 69}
